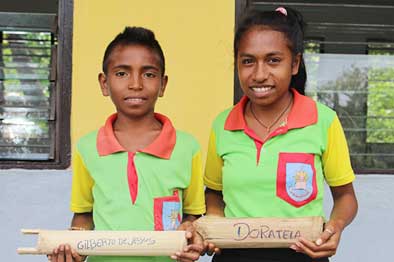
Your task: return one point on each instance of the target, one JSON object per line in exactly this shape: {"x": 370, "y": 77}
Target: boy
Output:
{"x": 136, "y": 172}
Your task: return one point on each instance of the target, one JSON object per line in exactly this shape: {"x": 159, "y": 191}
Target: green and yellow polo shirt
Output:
{"x": 282, "y": 176}
{"x": 145, "y": 190}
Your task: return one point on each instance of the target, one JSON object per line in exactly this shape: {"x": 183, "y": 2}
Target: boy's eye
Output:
{"x": 121, "y": 74}
{"x": 149, "y": 75}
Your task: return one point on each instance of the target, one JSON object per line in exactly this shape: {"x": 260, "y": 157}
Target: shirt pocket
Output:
{"x": 296, "y": 178}
{"x": 166, "y": 212}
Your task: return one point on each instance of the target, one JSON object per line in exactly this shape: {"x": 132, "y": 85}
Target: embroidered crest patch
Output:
{"x": 167, "y": 214}
{"x": 299, "y": 181}
{"x": 170, "y": 215}
{"x": 296, "y": 178}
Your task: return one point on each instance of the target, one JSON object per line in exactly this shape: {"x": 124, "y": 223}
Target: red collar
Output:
{"x": 161, "y": 147}
{"x": 303, "y": 113}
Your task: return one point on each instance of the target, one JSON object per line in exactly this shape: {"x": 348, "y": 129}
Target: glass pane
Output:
{"x": 24, "y": 139}
{"x": 24, "y": 73}
{"x": 22, "y": 50}
{"x": 360, "y": 89}
{"x": 25, "y": 96}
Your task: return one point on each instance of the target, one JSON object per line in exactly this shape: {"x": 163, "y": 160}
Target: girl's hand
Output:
{"x": 195, "y": 244}
{"x": 64, "y": 253}
{"x": 325, "y": 246}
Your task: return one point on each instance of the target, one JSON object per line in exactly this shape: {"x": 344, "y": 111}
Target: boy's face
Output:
{"x": 133, "y": 80}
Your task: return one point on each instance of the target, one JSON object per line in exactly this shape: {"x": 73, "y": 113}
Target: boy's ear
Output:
{"x": 164, "y": 81}
{"x": 103, "y": 84}
{"x": 296, "y": 64}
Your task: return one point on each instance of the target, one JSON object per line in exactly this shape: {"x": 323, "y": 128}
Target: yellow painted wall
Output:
{"x": 196, "y": 37}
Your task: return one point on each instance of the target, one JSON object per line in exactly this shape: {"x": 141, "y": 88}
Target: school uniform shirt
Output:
{"x": 146, "y": 190}
{"x": 282, "y": 176}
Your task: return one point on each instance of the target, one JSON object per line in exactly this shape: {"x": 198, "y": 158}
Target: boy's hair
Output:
{"x": 291, "y": 25}
{"x": 135, "y": 36}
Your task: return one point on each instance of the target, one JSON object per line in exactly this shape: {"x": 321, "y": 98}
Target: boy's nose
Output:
{"x": 260, "y": 73}
{"x": 135, "y": 83}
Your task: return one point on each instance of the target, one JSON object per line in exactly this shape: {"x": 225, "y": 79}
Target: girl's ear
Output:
{"x": 296, "y": 64}
{"x": 164, "y": 81}
{"x": 102, "y": 78}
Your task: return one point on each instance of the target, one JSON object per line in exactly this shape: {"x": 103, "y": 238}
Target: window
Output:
{"x": 350, "y": 64}
{"x": 35, "y": 87}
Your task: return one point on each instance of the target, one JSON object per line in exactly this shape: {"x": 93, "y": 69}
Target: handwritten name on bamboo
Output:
{"x": 244, "y": 231}
{"x": 91, "y": 244}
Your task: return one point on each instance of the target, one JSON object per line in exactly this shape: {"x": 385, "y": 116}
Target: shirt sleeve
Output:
{"x": 336, "y": 161}
{"x": 213, "y": 166}
{"x": 82, "y": 185}
{"x": 193, "y": 195}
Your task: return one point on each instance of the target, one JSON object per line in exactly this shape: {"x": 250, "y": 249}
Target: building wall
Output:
{"x": 196, "y": 37}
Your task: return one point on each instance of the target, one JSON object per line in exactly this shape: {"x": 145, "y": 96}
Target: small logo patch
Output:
{"x": 296, "y": 178}
{"x": 167, "y": 214}
{"x": 299, "y": 181}
{"x": 170, "y": 216}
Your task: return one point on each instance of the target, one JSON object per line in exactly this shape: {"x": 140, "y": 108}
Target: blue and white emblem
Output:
{"x": 299, "y": 177}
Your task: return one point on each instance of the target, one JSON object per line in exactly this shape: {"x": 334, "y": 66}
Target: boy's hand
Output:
{"x": 195, "y": 244}
{"x": 64, "y": 253}
{"x": 210, "y": 249}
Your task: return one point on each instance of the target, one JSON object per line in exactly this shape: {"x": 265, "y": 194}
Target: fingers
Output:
{"x": 59, "y": 253}
{"x": 77, "y": 257}
{"x": 327, "y": 233}
{"x": 314, "y": 251}
{"x": 189, "y": 253}
{"x": 311, "y": 249}
{"x": 67, "y": 253}
{"x": 186, "y": 226}
{"x": 64, "y": 253}
{"x": 210, "y": 248}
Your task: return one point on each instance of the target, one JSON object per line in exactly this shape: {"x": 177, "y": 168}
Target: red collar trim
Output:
{"x": 236, "y": 119}
{"x": 161, "y": 147}
{"x": 303, "y": 113}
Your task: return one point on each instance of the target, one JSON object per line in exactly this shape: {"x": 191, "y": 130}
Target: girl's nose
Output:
{"x": 260, "y": 73}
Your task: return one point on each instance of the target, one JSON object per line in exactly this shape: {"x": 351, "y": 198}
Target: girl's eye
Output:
{"x": 150, "y": 75}
{"x": 121, "y": 74}
{"x": 274, "y": 60}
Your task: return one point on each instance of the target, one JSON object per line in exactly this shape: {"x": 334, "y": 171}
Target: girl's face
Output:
{"x": 265, "y": 66}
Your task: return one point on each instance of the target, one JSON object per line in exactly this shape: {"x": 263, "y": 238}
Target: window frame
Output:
{"x": 62, "y": 147}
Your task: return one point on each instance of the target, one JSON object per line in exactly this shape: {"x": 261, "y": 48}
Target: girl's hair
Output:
{"x": 135, "y": 36}
{"x": 291, "y": 25}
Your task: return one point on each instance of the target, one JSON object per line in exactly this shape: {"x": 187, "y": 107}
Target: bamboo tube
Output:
{"x": 109, "y": 243}
{"x": 257, "y": 232}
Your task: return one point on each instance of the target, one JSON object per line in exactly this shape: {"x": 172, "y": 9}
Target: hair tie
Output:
{"x": 281, "y": 10}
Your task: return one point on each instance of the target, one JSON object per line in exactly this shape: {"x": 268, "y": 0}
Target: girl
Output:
{"x": 270, "y": 154}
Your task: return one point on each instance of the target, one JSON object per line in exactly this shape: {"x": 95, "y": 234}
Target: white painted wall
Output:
{"x": 39, "y": 199}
